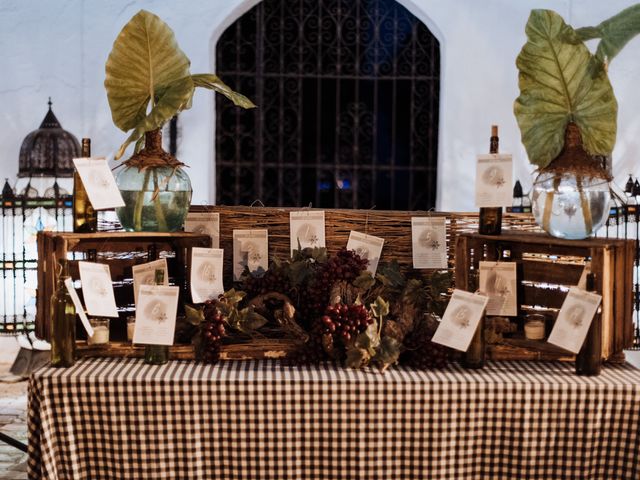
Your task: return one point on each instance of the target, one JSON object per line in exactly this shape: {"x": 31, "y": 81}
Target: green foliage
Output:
{"x": 560, "y": 81}
{"x": 147, "y": 70}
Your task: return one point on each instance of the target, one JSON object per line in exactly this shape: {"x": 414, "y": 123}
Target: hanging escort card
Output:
{"x": 460, "y": 320}
{"x": 429, "y": 242}
{"x": 498, "y": 281}
{"x": 99, "y": 183}
{"x": 368, "y": 247}
{"x": 206, "y": 274}
{"x": 575, "y": 317}
{"x": 79, "y": 308}
{"x": 205, "y": 223}
{"x": 144, "y": 274}
{"x": 97, "y": 289}
{"x": 250, "y": 249}
{"x": 494, "y": 181}
{"x": 307, "y": 229}
{"x": 156, "y": 315}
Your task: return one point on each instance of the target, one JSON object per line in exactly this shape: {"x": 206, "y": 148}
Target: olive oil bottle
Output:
{"x": 85, "y": 218}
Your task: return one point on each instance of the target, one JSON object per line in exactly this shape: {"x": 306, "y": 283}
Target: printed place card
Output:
{"x": 156, "y": 315}
{"x": 145, "y": 274}
{"x": 429, "y": 242}
{"x": 99, "y": 183}
{"x": 250, "y": 249}
{"x": 368, "y": 247}
{"x": 205, "y": 223}
{"x": 460, "y": 320}
{"x": 494, "y": 180}
{"x": 206, "y": 274}
{"x": 498, "y": 281}
{"x": 79, "y": 308}
{"x": 97, "y": 289}
{"x": 307, "y": 229}
{"x": 575, "y": 317}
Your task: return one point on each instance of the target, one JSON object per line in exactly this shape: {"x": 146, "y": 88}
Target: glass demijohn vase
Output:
{"x": 155, "y": 188}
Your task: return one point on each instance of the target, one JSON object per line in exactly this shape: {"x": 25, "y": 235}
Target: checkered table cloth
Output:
{"x": 122, "y": 419}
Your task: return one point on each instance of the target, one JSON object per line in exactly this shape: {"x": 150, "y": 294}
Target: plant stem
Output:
{"x": 548, "y": 204}
{"x": 137, "y": 211}
{"x": 584, "y": 203}
{"x": 162, "y": 222}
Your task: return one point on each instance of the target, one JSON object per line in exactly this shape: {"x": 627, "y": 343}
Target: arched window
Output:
{"x": 347, "y": 94}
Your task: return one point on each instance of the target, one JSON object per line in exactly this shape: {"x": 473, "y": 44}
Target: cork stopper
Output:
{"x": 494, "y": 130}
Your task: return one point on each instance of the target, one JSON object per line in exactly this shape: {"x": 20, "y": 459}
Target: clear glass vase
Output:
{"x": 155, "y": 188}
{"x": 569, "y": 205}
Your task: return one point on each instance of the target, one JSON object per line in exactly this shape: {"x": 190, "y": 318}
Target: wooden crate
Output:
{"x": 547, "y": 266}
{"x": 120, "y": 250}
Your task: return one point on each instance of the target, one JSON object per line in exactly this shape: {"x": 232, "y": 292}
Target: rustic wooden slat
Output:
{"x": 543, "y": 296}
{"x": 545, "y": 271}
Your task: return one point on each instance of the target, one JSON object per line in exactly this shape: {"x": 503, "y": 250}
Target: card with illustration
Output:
{"x": 145, "y": 274}
{"x": 460, "y": 320}
{"x": 156, "y": 315}
{"x": 307, "y": 229}
{"x": 250, "y": 249}
{"x": 368, "y": 247}
{"x": 99, "y": 183}
{"x": 429, "y": 242}
{"x": 206, "y": 223}
{"x": 206, "y": 274}
{"x": 494, "y": 180}
{"x": 97, "y": 289}
{"x": 575, "y": 316}
{"x": 498, "y": 281}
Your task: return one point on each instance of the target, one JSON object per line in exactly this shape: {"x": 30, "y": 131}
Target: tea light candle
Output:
{"x": 534, "y": 330}
{"x": 100, "y": 332}
{"x": 131, "y": 326}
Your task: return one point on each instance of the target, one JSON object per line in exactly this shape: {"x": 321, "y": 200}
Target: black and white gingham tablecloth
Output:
{"x": 121, "y": 419}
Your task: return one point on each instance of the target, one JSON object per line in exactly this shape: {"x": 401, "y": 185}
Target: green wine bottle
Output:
{"x": 157, "y": 354}
{"x": 63, "y": 323}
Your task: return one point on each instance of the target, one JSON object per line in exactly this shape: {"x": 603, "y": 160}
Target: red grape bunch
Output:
{"x": 345, "y": 322}
{"x": 212, "y": 331}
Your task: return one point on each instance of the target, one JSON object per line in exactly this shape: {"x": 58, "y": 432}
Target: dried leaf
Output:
{"x": 390, "y": 275}
{"x": 194, "y": 315}
{"x": 357, "y": 358}
{"x": 379, "y": 308}
{"x": 364, "y": 281}
{"x": 388, "y": 352}
{"x": 369, "y": 340}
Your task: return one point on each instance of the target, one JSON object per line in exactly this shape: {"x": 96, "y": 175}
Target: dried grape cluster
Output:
{"x": 344, "y": 322}
{"x": 345, "y": 265}
{"x": 422, "y": 353}
{"x": 212, "y": 329}
{"x": 273, "y": 280}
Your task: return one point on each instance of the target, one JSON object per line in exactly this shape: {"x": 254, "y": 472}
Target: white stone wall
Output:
{"x": 58, "y": 49}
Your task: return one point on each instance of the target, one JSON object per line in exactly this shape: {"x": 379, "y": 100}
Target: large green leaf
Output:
{"x": 614, "y": 33}
{"x": 213, "y": 82}
{"x": 171, "y": 100}
{"x": 145, "y": 57}
{"x": 558, "y": 84}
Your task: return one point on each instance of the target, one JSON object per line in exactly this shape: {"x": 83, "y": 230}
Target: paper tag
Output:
{"x": 460, "y": 320}
{"x": 145, "y": 274}
{"x": 368, "y": 247}
{"x": 494, "y": 180}
{"x": 575, "y": 317}
{"x": 206, "y": 274}
{"x": 205, "y": 223}
{"x": 79, "y": 308}
{"x": 99, "y": 183}
{"x": 156, "y": 315}
{"x": 250, "y": 249}
{"x": 97, "y": 289}
{"x": 307, "y": 228}
{"x": 429, "y": 242}
{"x": 498, "y": 281}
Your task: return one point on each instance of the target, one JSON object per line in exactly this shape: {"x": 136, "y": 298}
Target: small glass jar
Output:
{"x": 131, "y": 327}
{"x": 535, "y": 326}
{"x": 100, "y": 331}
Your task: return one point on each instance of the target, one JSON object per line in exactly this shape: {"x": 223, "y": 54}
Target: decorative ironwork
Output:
{"x": 348, "y": 97}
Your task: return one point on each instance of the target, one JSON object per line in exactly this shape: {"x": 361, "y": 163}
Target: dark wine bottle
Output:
{"x": 490, "y": 220}
{"x": 63, "y": 323}
{"x": 157, "y": 354}
{"x": 589, "y": 359}
{"x": 85, "y": 218}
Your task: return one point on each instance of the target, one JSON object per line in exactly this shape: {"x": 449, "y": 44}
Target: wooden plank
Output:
{"x": 627, "y": 306}
{"x": 544, "y": 297}
{"x": 462, "y": 263}
{"x": 521, "y": 237}
{"x": 546, "y": 271}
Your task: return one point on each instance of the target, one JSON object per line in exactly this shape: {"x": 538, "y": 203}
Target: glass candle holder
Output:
{"x": 100, "y": 331}
{"x": 535, "y": 326}
{"x": 131, "y": 326}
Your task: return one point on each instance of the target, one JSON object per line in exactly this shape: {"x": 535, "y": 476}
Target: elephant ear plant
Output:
{"x": 148, "y": 82}
{"x": 567, "y": 112}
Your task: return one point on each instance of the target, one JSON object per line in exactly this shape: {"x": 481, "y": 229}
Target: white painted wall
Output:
{"x": 59, "y": 48}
